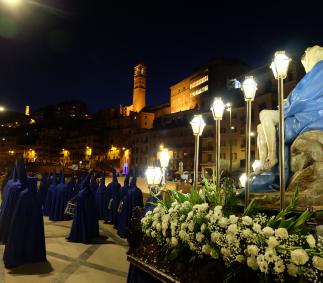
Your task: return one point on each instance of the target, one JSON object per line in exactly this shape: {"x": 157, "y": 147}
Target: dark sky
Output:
{"x": 64, "y": 50}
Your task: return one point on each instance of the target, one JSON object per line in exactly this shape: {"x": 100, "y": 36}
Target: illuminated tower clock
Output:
{"x": 139, "y": 88}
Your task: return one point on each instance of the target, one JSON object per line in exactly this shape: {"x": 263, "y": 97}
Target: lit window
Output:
{"x": 200, "y": 90}
{"x": 199, "y": 82}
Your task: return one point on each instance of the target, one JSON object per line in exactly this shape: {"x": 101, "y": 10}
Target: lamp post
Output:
{"x": 198, "y": 126}
{"x": 279, "y": 67}
{"x": 164, "y": 160}
{"x": 229, "y": 109}
{"x": 249, "y": 88}
{"x": 154, "y": 176}
{"x": 217, "y": 109}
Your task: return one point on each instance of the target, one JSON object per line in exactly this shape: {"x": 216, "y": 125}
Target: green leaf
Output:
{"x": 287, "y": 223}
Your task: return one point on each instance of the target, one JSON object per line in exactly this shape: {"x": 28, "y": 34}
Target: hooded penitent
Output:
{"x": 61, "y": 197}
{"x": 123, "y": 208}
{"x": 93, "y": 183}
{"x": 50, "y": 194}
{"x": 101, "y": 199}
{"x": 43, "y": 187}
{"x": 26, "y": 240}
{"x": 85, "y": 226}
{"x": 11, "y": 197}
{"x": 113, "y": 190}
{"x": 135, "y": 197}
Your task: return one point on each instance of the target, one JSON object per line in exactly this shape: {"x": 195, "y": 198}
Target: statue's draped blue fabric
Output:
{"x": 10, "y": 200}
{"x": 114, "y": 192}
{"x": 123, "y": 209}
{"x": 85, "y": 226}
{"x": 303, "y": 111}
{"x": 26, "y": 241}
{"x": 101, "y": 199}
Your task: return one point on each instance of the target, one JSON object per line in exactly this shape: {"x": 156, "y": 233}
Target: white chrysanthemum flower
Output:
{"x": 262, "y": 263}
{"x": 252, "y": 262}
{"x": 253, "y": 250}
{"x": 215, "y": 237}
{"x": 218, "y": 209}
{"x": 311, "y": 241}
{"x": 270, "y": 255}
{"x": 299, "y": 257}
{"x": 191, "y": 226}
{"x": 199, "y": 237}
{"x": 233, "y": 219}
{"x": 292, "y": 269}
{"x": 206, "y": 249}
{"x": 272, "y": 242}
{"x": 256, "y": 227}
{"x": 225, "y": 252}
{"x": 247, "y": 220}
{"x": 279, "y": 266}
{"x": 233, "y": 228}
{"x": 203, "y": 227}
{"x": 189, "y": 215}
{"x": 240, "y": 258}
{"x": 318, "y": 262}
{"x": 231, "y": 238}
{"x": 281, "y": 233}
{"x": 268, "y": 231}
{"x": 246, "y": 233}
{"x": 223, "y": 222}
{"x": 174, "y": 242}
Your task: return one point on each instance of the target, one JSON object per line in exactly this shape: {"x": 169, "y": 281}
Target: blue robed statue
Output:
{"x": 303, "y": 111}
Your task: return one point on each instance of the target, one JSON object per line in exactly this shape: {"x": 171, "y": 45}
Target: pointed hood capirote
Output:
{"x": 114, "y": 176}
{"x": 133, "y": 182}
{"x": 21, "y": 171}
{"x": 62, "y": 177}
{"x": 86, "y": 182}
{"x": 102, "y": 182}
{"x": 126, "y": 180}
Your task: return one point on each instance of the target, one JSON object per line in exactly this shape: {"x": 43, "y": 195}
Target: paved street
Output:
{"x": 73, "y": 262}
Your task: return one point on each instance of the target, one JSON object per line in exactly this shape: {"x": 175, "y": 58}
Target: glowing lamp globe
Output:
{"x": 198, "y": 125}
{"x": 280, "y": 65}
{"x": 249, "y": 88}
{"x": 217, "y": 108}
{"x": 153, "y": 175}
{"x": 243, "y": 180}
{"x": 164, "y": 158}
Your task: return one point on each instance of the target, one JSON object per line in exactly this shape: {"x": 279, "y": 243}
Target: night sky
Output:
{"x": 63, "y": 50}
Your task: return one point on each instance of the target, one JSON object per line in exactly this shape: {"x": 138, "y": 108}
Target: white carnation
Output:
{"x": 268, "y": 231}
{"x": 233, "y": 219}
{"x": 299, "y": 257}
{"x": 203, "y": 227}
{"x": 256, "y": 227}
{"x": 318, "y": 262}
{"x": 199, "y": 237}
{"x": 191, "y": 226}
{"x": 174, "y": 242}
{"x": 215, "y": 237}
{"x": 246, "y": 233}
{"x": 253, "y": 250}
{"x": 233, "y": 228}
{"x": 247, "y": 220}
{"x": 206, "y": 249}
{"x": 158, "y": 227}
{"x": 292, "y": 269}
{"x": 281, "y": 233}
{"x": 311, "y": 241}
{"x": 272, "y": 242}
{"x": 223, "y": 222}
{"x": 252, "y": 262}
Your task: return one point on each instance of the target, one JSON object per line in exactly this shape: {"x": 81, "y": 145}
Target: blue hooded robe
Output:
{"x": 61, "y": 196}
{"x": 123, "y": 209}
{"x": 113, "y": 190}
{"x": 50, "y": 195}
{"x": 101, "y": 199}
{"x": 85, "y": 226}
{"x": 43, "y": 187}
{"x": 26, "y": 241}
{"x": 11, "y": 197}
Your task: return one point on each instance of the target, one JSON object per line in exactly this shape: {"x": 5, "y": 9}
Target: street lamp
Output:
{"x": 198, "y": 126}
{"x": 229, "y": 109}
{"x": 249, "y": 88}
{"x": 2, "y": 109}
{"x": 12, "y": 2}
{"x": 164, "y": 160}
{"x": 217, "y": 109}
{"x": 279, "y": 67}
{"x": 243, "y": 180}
{"x": 154, "y": 176}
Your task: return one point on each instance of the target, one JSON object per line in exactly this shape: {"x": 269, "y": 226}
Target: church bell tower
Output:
{"x": 139, "y": 88}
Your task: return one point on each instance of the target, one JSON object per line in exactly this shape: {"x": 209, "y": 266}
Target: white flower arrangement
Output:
{"x": 257, "y": 242}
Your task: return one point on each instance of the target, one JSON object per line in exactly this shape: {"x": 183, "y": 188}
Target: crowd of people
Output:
{"x": 85, "y": 199}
